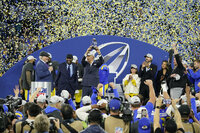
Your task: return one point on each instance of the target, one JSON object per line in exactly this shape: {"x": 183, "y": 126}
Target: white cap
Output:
{"x": 134, "y": 66}
{"x": 197, "y": 103}
{"x": 31, "y": 57}
{"x": 64, "y": 94}
{"x": 91, "y": 53}
{"x": 41, "y": 98}
{"x": 86, "y": 100}
{"x": 184, "y": 99}
{"x": 139, "y": 112}
{"x": 50, "y": 56}
{"x": 100, "y": 102}
{"x": 23, "y": 102}
{"x": 56, "y": 99}
{"x": 149, "y": 55}
{"x": 134, "y": 100}
{"x": 75, "y": 58}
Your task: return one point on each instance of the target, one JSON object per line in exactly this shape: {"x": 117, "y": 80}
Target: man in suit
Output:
{"x": 67, "y": 76}
{"x": 91, "y": 69}
{"x": 43, "y": 70}
{"x": 147, "y": 71}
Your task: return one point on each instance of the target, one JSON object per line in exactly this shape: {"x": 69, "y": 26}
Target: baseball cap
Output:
{"x": 41, "y": 98}
{"x": 43, "y": 53}
{"x": 184, "y": 110}
{"x": 134, "y": 100}
{"x": 149, "y": 55}
{"x": 92, "y": 52}
{"x": 114, "y": 104}
{"x": 133, "y": 66}
{"x": 100, "y": 102}
{"x": 144, "y": 125}
{"x": 56, "y": 99}
{"x": 19, "y": 114}
{"x": 86, "y": 100}
{"x": 31, "y": 57}
{"x": 139, "y": 112}
{"x": 75, "y": 58}
{"x": 69, "y": 56}
{"x": 64, "y": 94}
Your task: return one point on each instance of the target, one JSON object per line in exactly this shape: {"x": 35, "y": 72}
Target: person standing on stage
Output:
{"x": 91, "y": 69}
{"x": 43, "y": 70}
{"x": 67, "y": 76}
{"x": 147, "y": 71}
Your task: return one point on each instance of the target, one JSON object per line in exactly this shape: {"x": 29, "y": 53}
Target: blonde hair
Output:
{"x": 41, "y": 123}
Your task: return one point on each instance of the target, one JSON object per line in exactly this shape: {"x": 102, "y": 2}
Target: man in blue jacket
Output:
{"x": 43, "y": 70}
{"x": 195, "y": 75}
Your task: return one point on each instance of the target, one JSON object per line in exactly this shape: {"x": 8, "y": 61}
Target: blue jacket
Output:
{"x": 93, "y": 129}
{"x": 196, "y": 77}
{"x": 42, "y": 72}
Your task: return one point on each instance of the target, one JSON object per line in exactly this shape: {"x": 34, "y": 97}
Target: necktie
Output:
{"x": 68, "y": 69}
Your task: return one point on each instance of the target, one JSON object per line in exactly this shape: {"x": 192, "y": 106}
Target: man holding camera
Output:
{"x": 115, "y": 123}
{"x": 91, "y": 68}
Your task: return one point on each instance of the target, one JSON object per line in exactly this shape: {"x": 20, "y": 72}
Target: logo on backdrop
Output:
{"x": 121, "y": 59}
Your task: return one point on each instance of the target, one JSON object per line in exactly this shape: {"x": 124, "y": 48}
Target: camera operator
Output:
{"x": 28, "y": 124}
{"x": 115, "y": 123}
{"x": 42, "y": 124}
{"x": 70, "y": 123}
{"x": 91, "y": 68}
{"x": 95, "y": 119}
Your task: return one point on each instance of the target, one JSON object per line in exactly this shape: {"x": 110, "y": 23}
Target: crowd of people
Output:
{"x": 29, "y": 25}
{"x": 85, "y": 101}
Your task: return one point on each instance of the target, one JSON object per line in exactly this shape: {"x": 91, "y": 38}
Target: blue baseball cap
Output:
{"x": 144, "y": 125}
{"x": 19, "y": 114}
{"x": 114, "y": 104}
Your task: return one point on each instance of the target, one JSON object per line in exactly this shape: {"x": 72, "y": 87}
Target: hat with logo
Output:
{"x": 149, "y": 55}
{"x": 64, "y": 94}
{"x": 41, "y": 98}
{"x": 144, "y": 125}
{"x": 133, "y": 66}
{"x": 56, "y": 99}
{"x": 86, "y": 100}
{"x": 31, "y": 58}
{"x": 134, "y": 100}
{"x": 114, "y": 104}
{"x": 43, "y": 53}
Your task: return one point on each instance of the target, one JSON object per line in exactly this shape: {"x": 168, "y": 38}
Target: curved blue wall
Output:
{"x": 77, "y": 46}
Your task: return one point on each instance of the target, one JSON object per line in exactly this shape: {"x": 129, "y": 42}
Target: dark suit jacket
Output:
{"x": 91, "y": 73}
{"x": 144, "y": 75}
{"x": 64, "y": 81}
{"x": 42, "y": 72}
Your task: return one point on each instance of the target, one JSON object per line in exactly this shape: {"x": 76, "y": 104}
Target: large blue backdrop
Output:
{"x": 119, "y": 53}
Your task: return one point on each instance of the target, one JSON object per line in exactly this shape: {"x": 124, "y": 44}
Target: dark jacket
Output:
{"x": 180, "y": 71}
{"x": 53, "y": 112}
{"x": 93, "y": 129}
{"x": 158, "y": 78}
{"x": 91, "y": 73}
{"x": 64, "y": 81}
